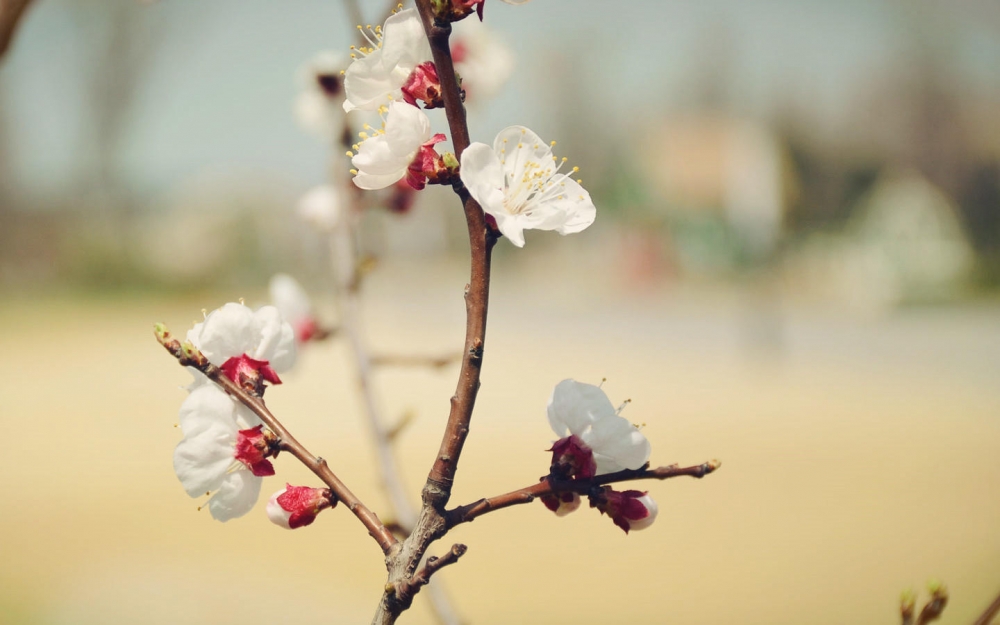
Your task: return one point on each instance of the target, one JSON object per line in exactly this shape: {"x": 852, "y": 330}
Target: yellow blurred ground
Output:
{"x": 860, "y": 457}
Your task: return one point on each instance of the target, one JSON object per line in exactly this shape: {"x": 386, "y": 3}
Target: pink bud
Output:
{"x": 630, "y": 510}
{"x": 572, "y": 458}
{"x": 297, "y": 506}
{"x": 305, "y": 329}
{"x": 423, "y": 84}
{"x": 253, "y": 447}
{"x": 561, "y": 503}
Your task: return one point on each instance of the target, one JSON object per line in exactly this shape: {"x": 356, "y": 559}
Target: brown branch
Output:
{"x": 431, "y": 523}
{"x": 404, "y": 590}
{"x": 469, "y": 512}
{"x": 991, "y": 612}
{"x": 188, "y": 356}
{"x": 11, "y": 12}
{"x": 414, "y": 360}
{"x": 437, "y": 489}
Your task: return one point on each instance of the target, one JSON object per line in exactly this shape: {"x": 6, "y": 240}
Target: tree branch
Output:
{"x": 11, "y": 12}
{"x": 189, "y": 357}
{"x": 437, "y": 490}
{"x": 470, "y": 512}
{"x": 405, "y": 590}
{"x": 991, "y": 612}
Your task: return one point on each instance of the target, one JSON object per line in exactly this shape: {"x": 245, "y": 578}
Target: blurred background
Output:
{"x": 794, "y": 269}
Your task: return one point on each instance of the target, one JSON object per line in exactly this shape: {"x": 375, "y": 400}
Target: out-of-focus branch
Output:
{"x": 11, "y": 14}
{"x": 188, "y": 356}
{"x": 415, "y": 360}
{"x": 991, "y": 612}
{"x": 469, "y": 512}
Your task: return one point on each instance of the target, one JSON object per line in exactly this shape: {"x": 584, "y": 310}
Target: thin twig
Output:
{"x": 470, "y": 512}
{"x": 405, "y": 590}
{"x": 286, "y": 442}
{"x": 991, "y": 612}
{"x": 11, "y": 13}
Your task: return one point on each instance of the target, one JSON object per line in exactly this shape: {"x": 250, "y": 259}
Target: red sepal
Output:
{"x": 249, "y": 367}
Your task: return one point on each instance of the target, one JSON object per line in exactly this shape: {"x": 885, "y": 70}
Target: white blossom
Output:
{"x": 380, "y": 69}
{"x": 517, "y": 181}
{"x": 206, "y": 460}
{"x": 294, "y": 304}
{"x": 321, "y": 207}
{"x": 234, "y": 331}
{"x": 584, "y": 411}
{"x": 385, "y": 156}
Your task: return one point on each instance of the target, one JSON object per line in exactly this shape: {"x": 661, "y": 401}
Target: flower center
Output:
{"x": 530, "y": 182}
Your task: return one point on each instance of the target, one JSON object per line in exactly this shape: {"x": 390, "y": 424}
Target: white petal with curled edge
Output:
{"x": 201, "y": 461}
{"x": 368, "y": 84}
{"x": 511, "y": 227}
{"x": 617, "y": 445}
{"x": 574, "y": 406}
{"x": 237, "y": 496}
{"x": 277, "y": 339}
{"x": 573, "y": 208}
{"x": 483, "y": 176}
{"x": 227, "y": 332}
{"x": 207, "y": 404}
{"x": 404, "y": 42}
{"x": 645, "y": 522}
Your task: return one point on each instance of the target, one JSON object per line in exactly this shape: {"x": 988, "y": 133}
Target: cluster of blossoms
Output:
{"x": 518, "y": 181}
{"x": 226, "y": 449}
{"x": 596, "y": 441}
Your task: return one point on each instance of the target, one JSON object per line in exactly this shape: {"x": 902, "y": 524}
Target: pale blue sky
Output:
{"x": 218, "y": 89}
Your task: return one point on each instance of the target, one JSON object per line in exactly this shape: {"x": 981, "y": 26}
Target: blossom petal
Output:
{"x": 617, "y": 445}
{"x": 237, "y": 496}
{"x": 572, "y": 210}
{"x": 404, "y": 42}
{"x": 574, "y": 406}
{"x": 518, "y": 146}
{"x": 227, "y": 332}
{"x": 406, "y": 129}
{"x": 206, "y": 405}
{"x": 482, "y": 175}
{"x": 277, "y": 339}
{"x": 370, "y": 182}
{"x": 375, "y": 157}
{"x": 201, "y": 461}
{"x": 511, "y": 227}
{"x": 368, "y": 85}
